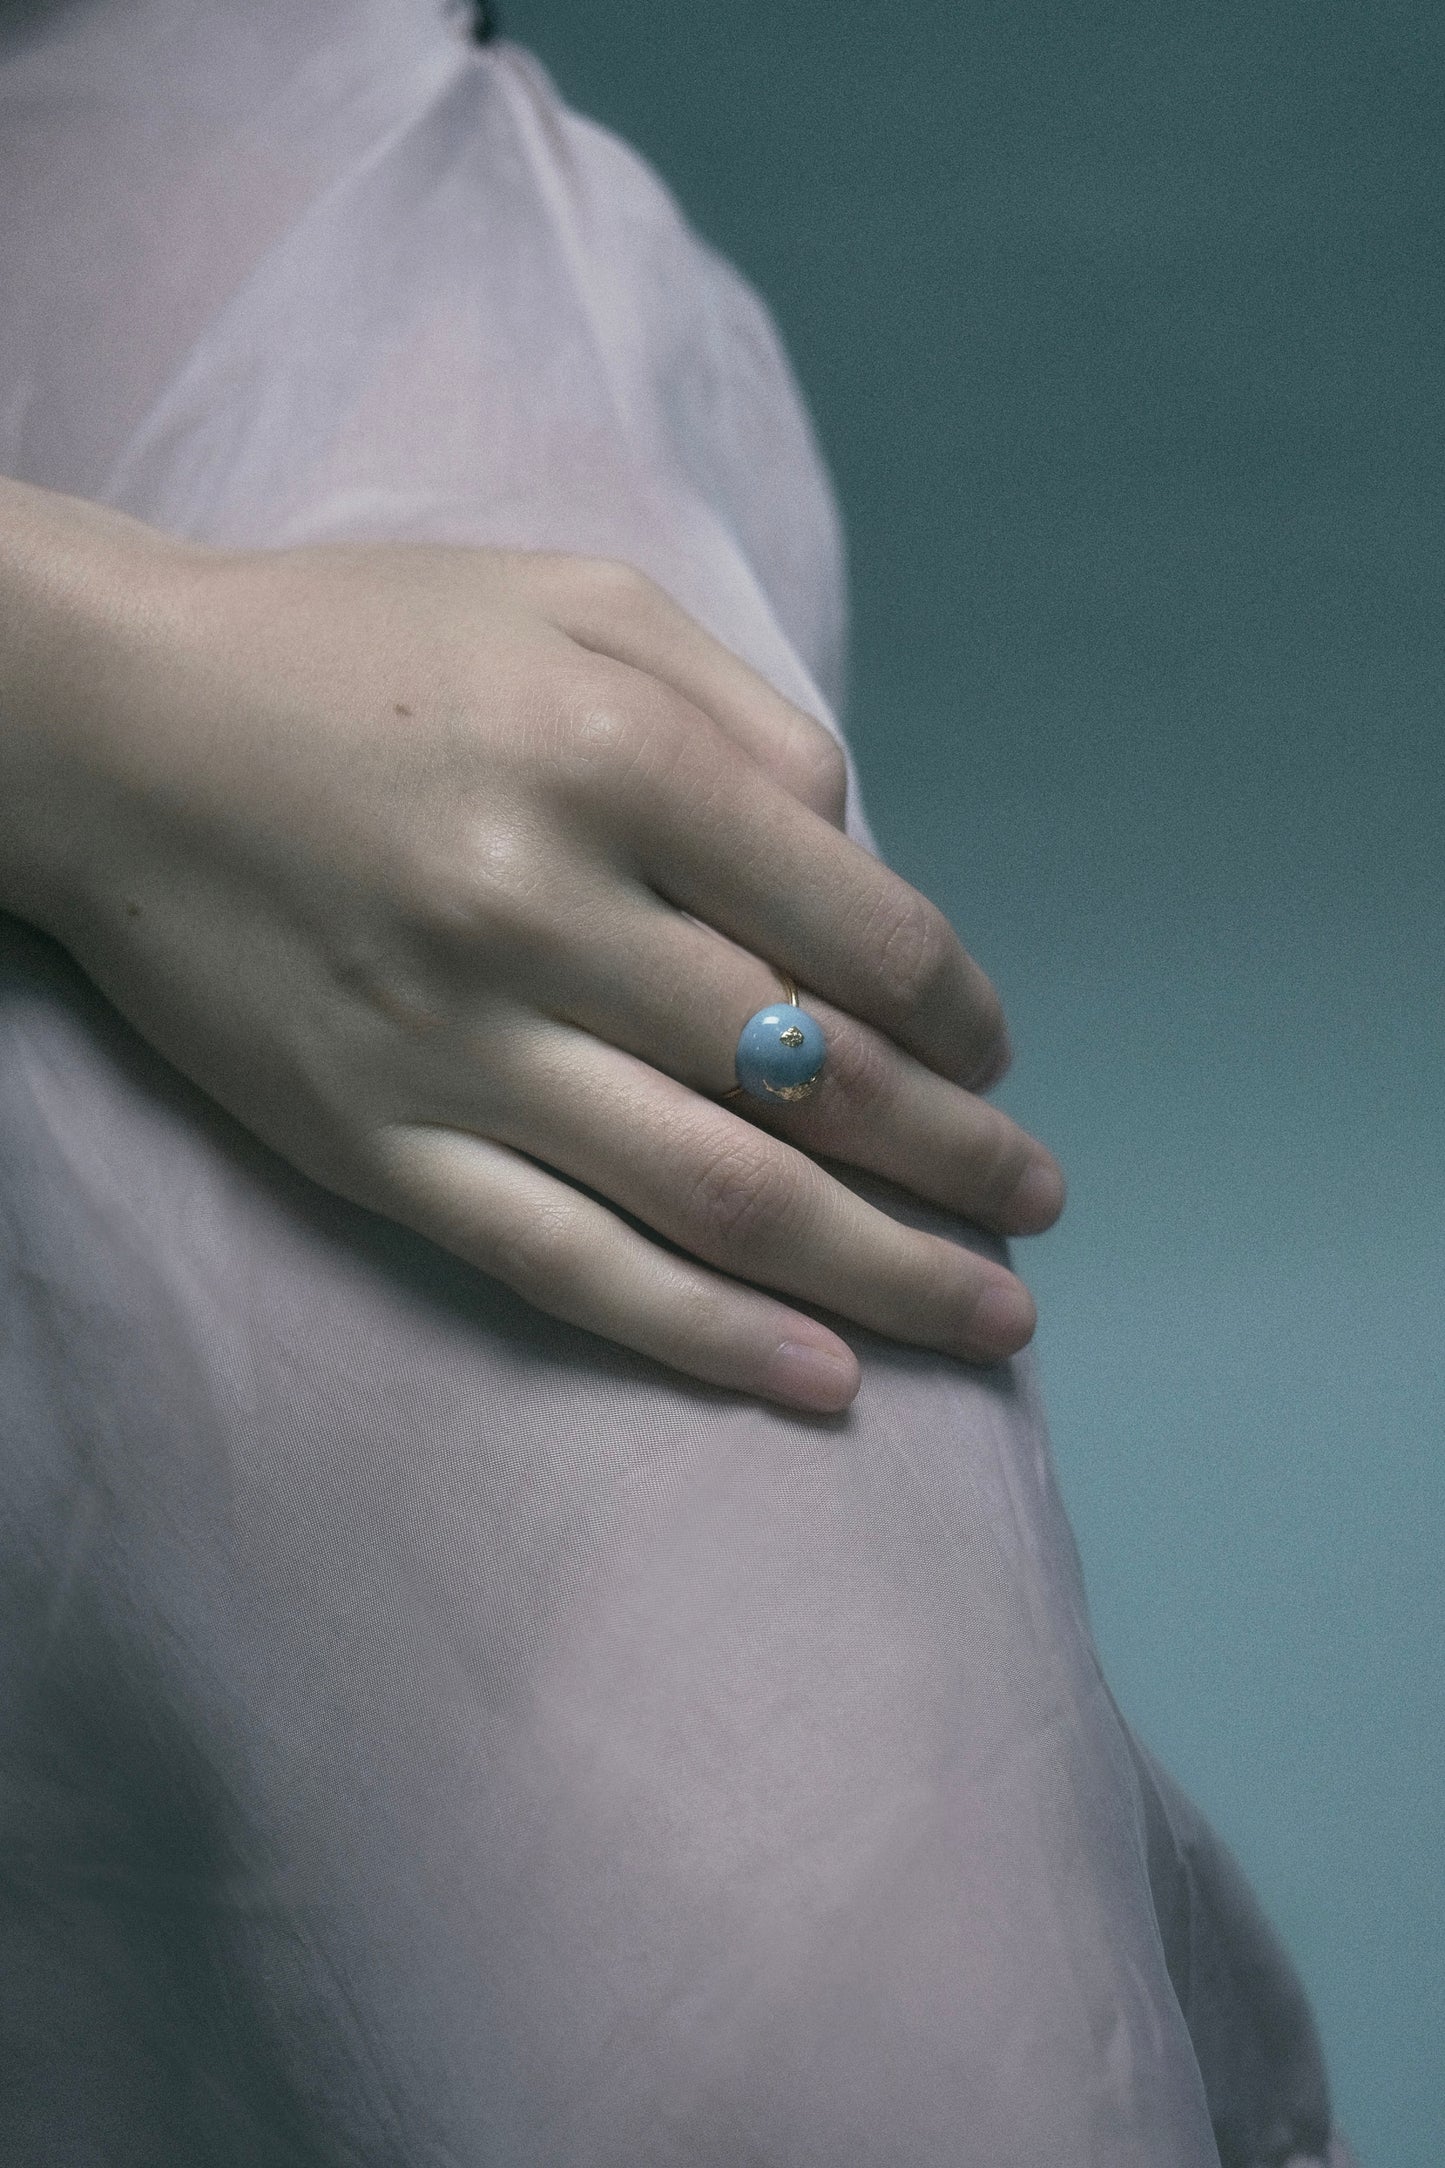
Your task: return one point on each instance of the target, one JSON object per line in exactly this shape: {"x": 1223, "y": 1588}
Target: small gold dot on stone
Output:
{"x": 792, "y": 1036}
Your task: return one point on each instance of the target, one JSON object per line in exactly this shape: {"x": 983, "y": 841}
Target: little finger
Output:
{"x": 569, "y": 1256}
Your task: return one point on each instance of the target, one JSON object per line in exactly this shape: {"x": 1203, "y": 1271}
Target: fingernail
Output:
{"x": 1039, "y": 1198}
{"x": 812, "y": 1377}
{"x": 1004, "y": 1318}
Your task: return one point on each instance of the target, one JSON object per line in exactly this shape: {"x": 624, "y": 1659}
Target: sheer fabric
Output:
{"x": 428, "y": 1733}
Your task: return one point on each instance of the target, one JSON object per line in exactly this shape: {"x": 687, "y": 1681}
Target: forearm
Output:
{"x": 78, "y": 616}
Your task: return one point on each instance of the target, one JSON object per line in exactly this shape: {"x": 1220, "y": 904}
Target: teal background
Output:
{"x": 1122, "y": 327}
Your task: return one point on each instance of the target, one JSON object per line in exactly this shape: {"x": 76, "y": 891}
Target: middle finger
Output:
{"x": 719, "y": 837}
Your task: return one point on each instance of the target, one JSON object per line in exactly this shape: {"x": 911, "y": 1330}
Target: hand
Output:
{"x": 450, "y": 872}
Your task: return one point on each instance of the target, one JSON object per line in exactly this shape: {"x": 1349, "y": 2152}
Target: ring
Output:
{"x": 781, "y": 1051}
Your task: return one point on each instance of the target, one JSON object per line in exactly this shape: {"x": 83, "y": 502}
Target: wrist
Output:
{"x": 83, "y": 622}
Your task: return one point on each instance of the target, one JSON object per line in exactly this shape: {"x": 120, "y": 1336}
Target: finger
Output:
{"x": 875, "y": 1105}
{"x": 719, "y": 838}
{"x": 569, "y": 1256}
{"x": 613, "y": 609}
{"x": 731, "y": 1194}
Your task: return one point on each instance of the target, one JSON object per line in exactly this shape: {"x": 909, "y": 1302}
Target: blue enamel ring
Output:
{"x": 781, "y": 1051}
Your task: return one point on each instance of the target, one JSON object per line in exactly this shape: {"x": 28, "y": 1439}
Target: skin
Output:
{"x": 452, "y": 872}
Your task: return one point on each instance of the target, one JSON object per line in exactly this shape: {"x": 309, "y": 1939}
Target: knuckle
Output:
{"x": 822, "y": 769}
{"x": 861, "y": 1069}
{"x": 742, "y": 1194}
{"x": 909, "y": 946}
{"x": 962, "y": 1283}
{"x": 1001, "y": 1159}
{"x": 700, "y": 1323}
{"x": 613, "y": 583}
{"x": 598, "y": 730}
{"x": 539, "y": 1256}
{"x": 993, "y": 1038}
{"x": 494, "y": 885}
{"x": 605, "y": 741}
{"x": 940, "y": 1282}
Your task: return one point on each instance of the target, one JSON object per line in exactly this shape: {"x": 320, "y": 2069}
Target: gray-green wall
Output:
{"x": 1122, "y": 326}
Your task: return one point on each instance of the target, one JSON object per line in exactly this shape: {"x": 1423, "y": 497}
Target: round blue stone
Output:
{"x": 780, "y": 1053}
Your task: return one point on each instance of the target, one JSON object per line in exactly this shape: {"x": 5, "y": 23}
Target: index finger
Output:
{"x": 720, "y": 838}
{"x": 613, "y": 609}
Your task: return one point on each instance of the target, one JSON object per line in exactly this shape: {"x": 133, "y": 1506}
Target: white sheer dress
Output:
{"x": 429, "y": 1734}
